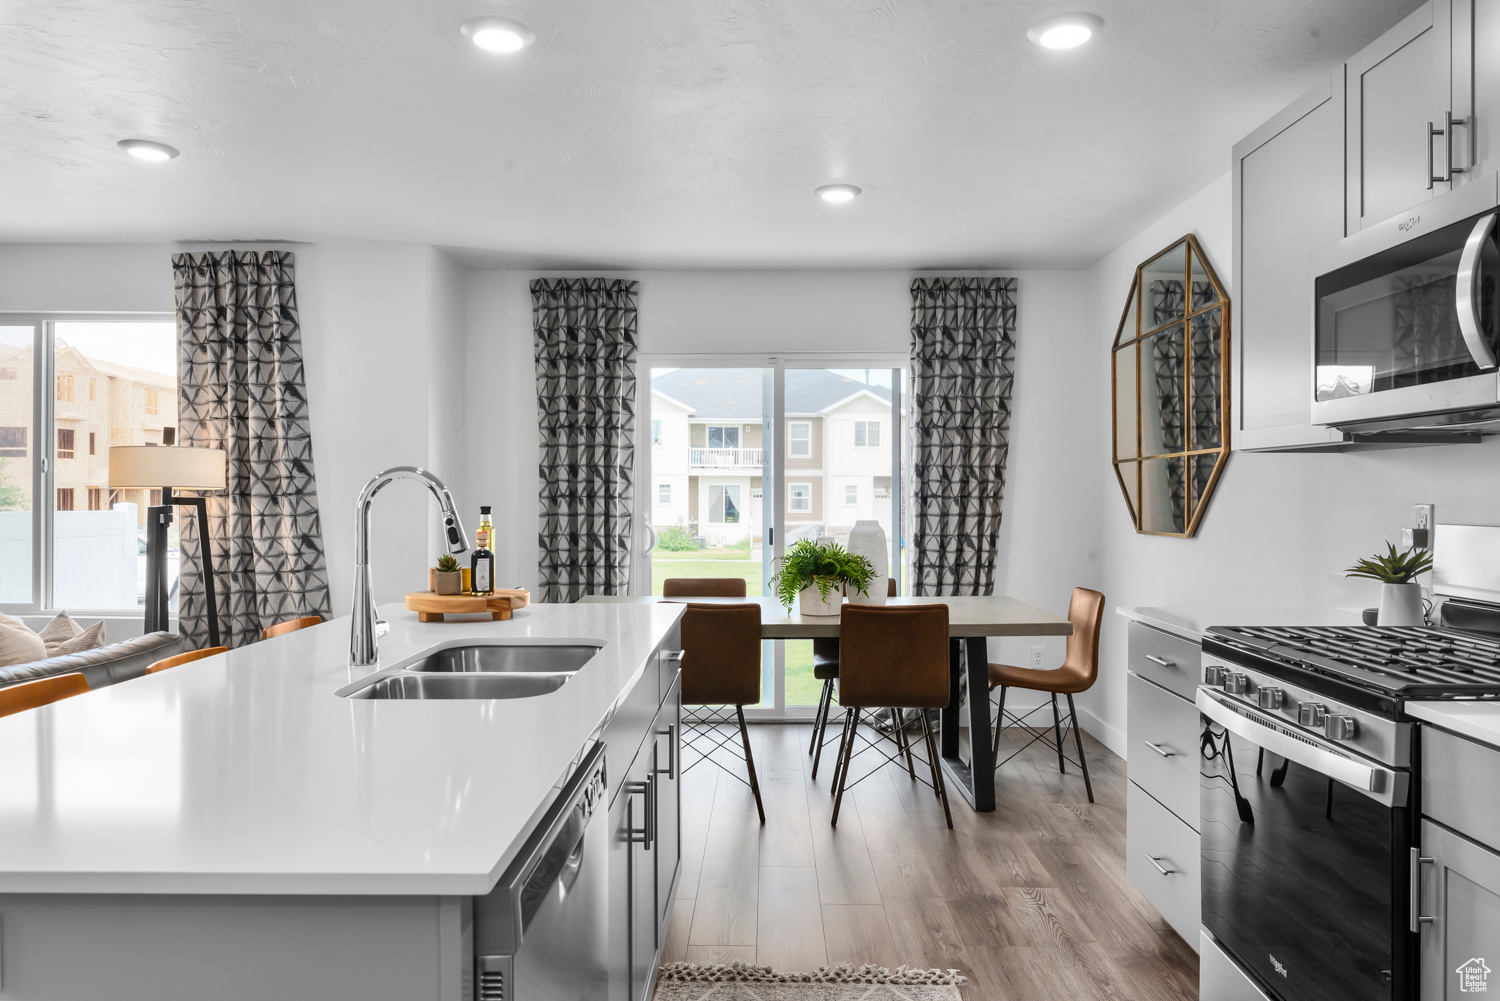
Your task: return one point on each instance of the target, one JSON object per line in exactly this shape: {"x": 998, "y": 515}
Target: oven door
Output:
{"x": 1302, "y": 842}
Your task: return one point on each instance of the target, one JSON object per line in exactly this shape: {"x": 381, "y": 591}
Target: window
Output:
{"x": 882, "y": 488}
{"x": 7, "y": 373}
{"x": 799, "y": 439}
{"x": 655, "y": 432}
{"x": 65, "y": 387}
{"x": 65, "y": 444}
{"x": 169, "y": 436}
{"x": 866, "y": 434}
{"x": 93, "y": 393}
{"x": 724, "y": 504}
{"x": 664, "y": 493}
{"x": 151, "y": 400}
{"x": 95, "y": 497}
{"x": 12, "y": 443}
{"x": 64, "y": 498}
{"x": 155, "y": 500}
{"x": 91, "y": 452}
{"x": 799, "y": 496}
{"x": 851, "y": 494}
{"x": 723, "y": 437}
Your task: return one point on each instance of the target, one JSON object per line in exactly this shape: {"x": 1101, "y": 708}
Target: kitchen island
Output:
{"x": 233, "y": 828}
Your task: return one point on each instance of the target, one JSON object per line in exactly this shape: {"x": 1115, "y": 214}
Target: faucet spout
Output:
{"x": 365, "y": 629}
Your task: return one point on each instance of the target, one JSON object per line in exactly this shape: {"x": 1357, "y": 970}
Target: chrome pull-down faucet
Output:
{"x": 363, "y": 631}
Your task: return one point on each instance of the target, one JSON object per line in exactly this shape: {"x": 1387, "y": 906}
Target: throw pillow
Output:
{"x": 59, "y": 631}
{"x": 18, "y": 644}
{"x": 88, "y": 639}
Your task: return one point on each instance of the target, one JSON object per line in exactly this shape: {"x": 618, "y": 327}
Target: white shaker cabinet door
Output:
{"x": 1460, "y": 900}
{"x": 1476, "y": 87}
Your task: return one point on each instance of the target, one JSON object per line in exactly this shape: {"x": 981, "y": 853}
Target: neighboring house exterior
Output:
{"x": 96, "y": 404}
{"x": 708, "y": 459}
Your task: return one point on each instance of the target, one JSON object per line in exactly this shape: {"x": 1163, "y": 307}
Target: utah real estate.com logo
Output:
{"x": 1473, "y": 977}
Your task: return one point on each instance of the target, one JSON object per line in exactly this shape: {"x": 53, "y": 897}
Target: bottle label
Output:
{"x": 482, "y": 577}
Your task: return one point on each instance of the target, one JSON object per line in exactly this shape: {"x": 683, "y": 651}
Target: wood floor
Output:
{"x": 1029, "y": 902}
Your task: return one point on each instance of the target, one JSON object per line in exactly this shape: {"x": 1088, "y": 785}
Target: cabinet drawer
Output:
{"x": 1171, "y": 662}
{"x": 1152, "y": 830}
{"x": 1163, "y": 730}
{"x": 1455, "y": 776}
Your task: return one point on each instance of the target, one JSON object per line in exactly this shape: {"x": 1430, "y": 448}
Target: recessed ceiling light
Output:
{"x": 1066, "y": 31}
{"x": 145, "y": 149}
{"x": 838, "y": 194}
{"x": 498, "y": 34}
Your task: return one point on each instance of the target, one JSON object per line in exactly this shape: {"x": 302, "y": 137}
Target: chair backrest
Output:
{"x": 721, "y": 655}
{"x": 894, "y": 656}
{"x": 1086, "y": 612}
{"x": 703, "y": 587}
{"x": 290, "y": 626}
{"x": 31, "y": 694}
{"x": 185, "y": 658}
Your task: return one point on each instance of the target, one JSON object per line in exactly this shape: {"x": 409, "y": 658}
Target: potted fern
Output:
{"x": 1400, "y": 594}
{"x": 815, "y": 576}
{"x": 447, "y": 576}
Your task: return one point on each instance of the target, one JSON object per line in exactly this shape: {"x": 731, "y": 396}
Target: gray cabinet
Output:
{"x": 1162, "y": 856}
{"x": 1288, "y": 180}
{"x": 668, "y": 805}
{"x": 1460, "y": 895}
{"x": 1398, "y": 86}
{"x": 1476, "y": 85}
{"x": 1164, "y": 735}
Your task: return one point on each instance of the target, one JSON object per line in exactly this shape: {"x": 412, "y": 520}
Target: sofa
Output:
{"x": 108, "y": 665}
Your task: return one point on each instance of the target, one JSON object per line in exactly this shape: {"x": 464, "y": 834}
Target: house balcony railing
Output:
{"x": 722, "y": 458}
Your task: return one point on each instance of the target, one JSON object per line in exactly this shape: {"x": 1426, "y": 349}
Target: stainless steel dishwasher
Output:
{"x": 542, "y": 933}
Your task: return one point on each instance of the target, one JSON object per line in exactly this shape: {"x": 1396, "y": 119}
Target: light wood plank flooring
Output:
{"x": 1029, "y": 902}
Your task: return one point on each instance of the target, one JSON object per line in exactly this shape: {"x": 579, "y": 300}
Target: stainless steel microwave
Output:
{"x": 1406, "y": 322}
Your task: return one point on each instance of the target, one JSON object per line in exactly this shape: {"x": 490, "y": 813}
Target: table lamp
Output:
{"x": 164, "y": 467}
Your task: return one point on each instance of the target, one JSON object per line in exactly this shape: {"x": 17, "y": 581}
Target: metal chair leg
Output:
{"x": 937, "y": 770}
{"x": 819, "y": 719}
{"x": 838, "y": 758}
{"x": 1057, "y": 735}
{"x": 750, "y": 763}
{"x": 1078, "y": 743}
{"x": 903, "y": 740}
{"x": 999, "y": 720}
{"x": 821, "y": 731}
{"x": 838, "y": 797}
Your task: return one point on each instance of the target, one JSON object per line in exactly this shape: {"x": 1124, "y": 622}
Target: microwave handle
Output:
{"x": 1467, "y": 299}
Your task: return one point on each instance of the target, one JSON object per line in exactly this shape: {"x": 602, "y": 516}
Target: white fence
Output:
{"x": 95, "y": 555}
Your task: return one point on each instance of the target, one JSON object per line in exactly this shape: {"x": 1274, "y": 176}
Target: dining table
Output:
{"x": 972, "y": 620}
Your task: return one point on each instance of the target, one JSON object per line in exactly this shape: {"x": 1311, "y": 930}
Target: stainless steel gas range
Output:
{"x": 1309, "y": 803}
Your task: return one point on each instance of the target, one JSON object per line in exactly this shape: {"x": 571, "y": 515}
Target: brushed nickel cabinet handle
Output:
{"x": 1165, "y": 752}
{"x": 1156, "y": 861}
{"x": 1164, "y": 662}
{"x": 1418, "y": 919}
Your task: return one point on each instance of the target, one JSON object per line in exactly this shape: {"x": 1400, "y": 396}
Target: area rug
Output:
{"x": 745, "y": 982}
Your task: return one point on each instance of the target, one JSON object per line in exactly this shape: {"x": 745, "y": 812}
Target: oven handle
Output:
{"x": 1382, "y": 784}
{"x": 1467, "y": 298}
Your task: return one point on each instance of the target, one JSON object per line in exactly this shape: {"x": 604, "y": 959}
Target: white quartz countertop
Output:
{"x": 244, "y": 773}
{"x": 1476, "y": 720}
{"x": 1191, "y": 623}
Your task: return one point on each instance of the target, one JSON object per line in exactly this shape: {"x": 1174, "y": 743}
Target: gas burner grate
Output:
{"x": 1393, "y": 658}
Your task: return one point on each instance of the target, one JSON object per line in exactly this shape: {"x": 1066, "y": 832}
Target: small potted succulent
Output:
{"x": 816, "y": 575}
{"x": 1400, "y": 594}
{"x": 447, "y": 577}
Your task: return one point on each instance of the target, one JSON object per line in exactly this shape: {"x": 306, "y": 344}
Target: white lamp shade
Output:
{"x": 153, "y": 466}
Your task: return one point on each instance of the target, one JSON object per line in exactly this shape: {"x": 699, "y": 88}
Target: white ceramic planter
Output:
{"x": 1401, "y": 605}
{"x": 868, "y": 539}
{"x": 810, "y": 602}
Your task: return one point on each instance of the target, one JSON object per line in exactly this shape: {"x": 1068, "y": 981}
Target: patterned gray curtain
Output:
{"x": 963, "y": 338}
{"x": 241, "y": 388}
{"x": 585, "y": 330}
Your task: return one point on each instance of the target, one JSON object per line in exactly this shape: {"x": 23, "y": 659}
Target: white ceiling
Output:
{"x": 644, "y": 133}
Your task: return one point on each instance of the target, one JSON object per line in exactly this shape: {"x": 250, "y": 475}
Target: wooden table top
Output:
{"x": 997, "y": 615}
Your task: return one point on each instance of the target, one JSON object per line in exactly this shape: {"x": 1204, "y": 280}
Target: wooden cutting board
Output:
{"x": 431, "y": 607}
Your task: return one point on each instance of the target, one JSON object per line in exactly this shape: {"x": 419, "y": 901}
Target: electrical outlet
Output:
{"x": 1422, "y": 527}
{"x": 1424, "y": 516}
{"x": 1038, "y": 658}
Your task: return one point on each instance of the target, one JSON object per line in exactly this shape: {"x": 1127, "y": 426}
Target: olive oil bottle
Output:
{"x": 482, "y": 564}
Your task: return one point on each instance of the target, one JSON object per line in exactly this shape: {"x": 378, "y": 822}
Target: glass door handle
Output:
{"x": 1470, "y": 286}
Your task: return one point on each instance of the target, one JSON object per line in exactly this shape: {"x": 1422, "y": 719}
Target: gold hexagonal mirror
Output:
{"x": 1171, "y": 390}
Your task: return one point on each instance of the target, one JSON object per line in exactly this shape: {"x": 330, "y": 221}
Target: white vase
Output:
{"x": 867, "y": 539}
{"x": 1401, "y": 605}
{"x": 810, "y": 602}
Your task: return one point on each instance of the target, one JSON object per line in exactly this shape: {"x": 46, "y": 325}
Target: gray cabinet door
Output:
{"x": 1461, "y": 893}
{"x": 668, "y": 805}
{"x": 1164, "y": 731}
{"x": 1288, "y": 178}
{"x": 1397, "y": 86}
{"x": 1476, "y": 87}
{"x": 640, "y": 813}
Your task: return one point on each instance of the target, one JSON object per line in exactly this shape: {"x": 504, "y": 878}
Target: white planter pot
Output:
{"x": 868, "y": 539}
{"x": 1401, "y": 605}
{"x": 810, "y": 602}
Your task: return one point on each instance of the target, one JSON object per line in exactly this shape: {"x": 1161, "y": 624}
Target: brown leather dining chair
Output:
{"x": 290, "y": 626}
{"x": 720, "y": 668}
{"x": 41, "y": 692}
{"x": 826, "y": 670}
{"x": 1080, "y": 668}
{"x": 896, "y": 658}
{"x": 185, "y": 658}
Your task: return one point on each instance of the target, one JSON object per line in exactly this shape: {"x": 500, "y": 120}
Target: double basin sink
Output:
{"x": 488, "y": 671}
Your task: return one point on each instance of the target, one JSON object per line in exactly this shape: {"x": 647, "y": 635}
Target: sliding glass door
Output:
{"x": 719, "y": 436}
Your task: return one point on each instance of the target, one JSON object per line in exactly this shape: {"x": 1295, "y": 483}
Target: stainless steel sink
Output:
{"x": 520, "y": 685}
{"x": 509, "y": 659}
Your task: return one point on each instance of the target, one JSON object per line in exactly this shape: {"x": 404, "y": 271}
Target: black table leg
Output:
{"x": 948, "y": 718}
{"x": 974, "y": 779}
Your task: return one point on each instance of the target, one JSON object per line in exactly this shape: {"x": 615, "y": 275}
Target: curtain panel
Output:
{"x": 963, "y": 338}
{"x": 241, "y": 388}
{"x": 585, "y": 340}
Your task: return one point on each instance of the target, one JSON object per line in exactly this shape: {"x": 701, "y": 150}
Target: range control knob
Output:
{"x": 1311, "y": 713}
{"x": 1337, "y": 727}
{"x": 1270, "y": 698}
{"x": 1235, "y": 683}
{"x": 1214, "y": 676}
